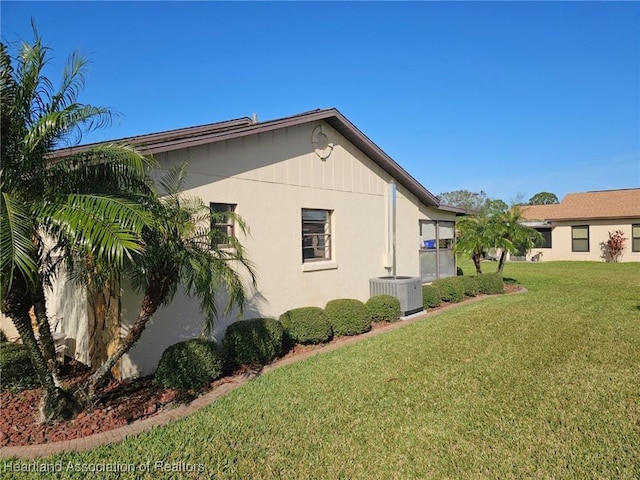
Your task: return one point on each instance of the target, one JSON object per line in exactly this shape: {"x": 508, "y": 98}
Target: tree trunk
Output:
{"x": 86, "y": 393}
{"x": 476, "y": 262}
{"x": 56, "y": 403}
{"x": 503, "y": 259}
{"x": 104, "y": 324}
{"x": 46, "y": 339}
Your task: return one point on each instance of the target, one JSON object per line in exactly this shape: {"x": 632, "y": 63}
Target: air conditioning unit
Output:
{"x": 408, "y": 291}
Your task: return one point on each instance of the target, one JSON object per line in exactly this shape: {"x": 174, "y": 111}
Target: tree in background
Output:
{"x": 495, "y": 225}
{"x": 543, "y": 198}
{"x": 513, "y": 236}
{"x": 477, "y": 234}
{"x": 471, "y": 201}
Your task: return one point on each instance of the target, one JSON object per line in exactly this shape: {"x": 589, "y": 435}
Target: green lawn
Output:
{"x": 540, "y": 385}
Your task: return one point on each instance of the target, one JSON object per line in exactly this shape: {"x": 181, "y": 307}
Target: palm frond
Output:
{"x": 17, "y": 250}
{"x": 52, "y": 128}
{"x": 174, "y": 180}
{"x": 116, "y": 169}
{"x": 107, "y": 228}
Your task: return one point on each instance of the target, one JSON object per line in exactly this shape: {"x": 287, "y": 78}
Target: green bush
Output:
{"x": 190, "y": 364}
{"x": 430, "y": 296}
{"x": 490, "y": 283}
{"x": 383, "y": 308}
{"x": 306, "y": 325}
{"x": 16, "y": 368}
{"x": 348, "y": 316}
{"x": 451, "y": 289}
{"x": 471, "y": 288}
{"x": 255, "y": 341}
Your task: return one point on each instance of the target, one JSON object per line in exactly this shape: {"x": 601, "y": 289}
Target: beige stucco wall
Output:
{"x": 598, "y": 234}
{"x": 271, "y": 177}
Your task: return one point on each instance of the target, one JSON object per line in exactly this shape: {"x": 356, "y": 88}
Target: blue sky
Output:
{"x": 512, "y": 98}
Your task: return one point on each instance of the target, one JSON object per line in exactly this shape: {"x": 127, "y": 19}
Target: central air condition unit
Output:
{"x": 408, "y": 291}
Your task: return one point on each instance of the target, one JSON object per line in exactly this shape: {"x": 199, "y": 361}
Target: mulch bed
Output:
{"x": 121, "y": 402}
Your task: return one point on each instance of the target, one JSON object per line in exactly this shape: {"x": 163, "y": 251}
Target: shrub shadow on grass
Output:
{"x": 510, "y": 281}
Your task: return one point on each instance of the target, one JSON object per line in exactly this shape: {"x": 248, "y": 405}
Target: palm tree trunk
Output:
{"x": 476, "y": 262}
{"x": 104, "y": 324}
{"x": 503, "y": 259}
{"x": 56, "y": 403}
{"x": 46, "y": 339}
{"x": 86, "y": 393}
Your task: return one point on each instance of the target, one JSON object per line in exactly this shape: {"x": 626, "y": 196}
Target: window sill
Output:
{"x": 318, "y": 266}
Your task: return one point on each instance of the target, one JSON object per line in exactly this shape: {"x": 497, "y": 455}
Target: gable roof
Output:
{"x": 595, "y": 205}
{"x": 215, "y": 132}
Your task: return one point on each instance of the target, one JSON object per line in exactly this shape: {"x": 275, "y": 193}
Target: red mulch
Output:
{"x": 121, "y": 403}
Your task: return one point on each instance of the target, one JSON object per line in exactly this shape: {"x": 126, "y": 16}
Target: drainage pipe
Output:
{"x": 391, "y": 212}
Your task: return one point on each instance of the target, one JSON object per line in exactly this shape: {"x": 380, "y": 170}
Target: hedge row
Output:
{"x": 259, "y": 341}
{"x": 455, "y": 289}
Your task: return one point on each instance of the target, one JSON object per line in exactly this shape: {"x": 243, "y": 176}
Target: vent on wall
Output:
{"x": 408, "y": 291}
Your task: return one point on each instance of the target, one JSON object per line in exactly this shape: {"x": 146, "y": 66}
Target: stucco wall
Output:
{"x": 598, "y": 234}
{"x": 271, "y": 177}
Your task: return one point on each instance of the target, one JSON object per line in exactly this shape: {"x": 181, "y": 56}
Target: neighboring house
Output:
{"x": 578, "y": 227}
{"x": 318, "y": 197}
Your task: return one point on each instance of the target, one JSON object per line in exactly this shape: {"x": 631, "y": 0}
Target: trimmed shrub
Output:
{"x": 471, "y": 288}
{"x": 383, "y": 308}
{"x": 490, "y": 283}
{"x": 430, "y": 296}
{"x": 348, "y": 316}
{"x": 190, "y": 364}
{"x": 306, "y": 325}
{"x": 451, "y": 289}
{"x": 16, "y": 367}
{"x": 256, "y": 341}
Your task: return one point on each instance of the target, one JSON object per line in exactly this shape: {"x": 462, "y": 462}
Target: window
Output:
{"x": 316, "y": 235}
{"x": 546, "y": 241}
{"x": 222, "y": 226}
{"x": 635, "y": 238}
{"x": 580, "y": 238}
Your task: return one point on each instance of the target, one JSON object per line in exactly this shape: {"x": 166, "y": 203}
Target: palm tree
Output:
{"x": 181, "y": 248}
{"x": 476, "y": 235}
{"x": 48, "y": 204}
{"x": 514, "y": 236}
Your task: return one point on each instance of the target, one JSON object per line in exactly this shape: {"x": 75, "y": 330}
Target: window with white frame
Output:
{"x": 316, "y": 235}
{"x": 222, "y": 225}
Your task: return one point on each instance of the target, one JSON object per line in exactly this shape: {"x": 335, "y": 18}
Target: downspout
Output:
{"x": 391, "y": 212}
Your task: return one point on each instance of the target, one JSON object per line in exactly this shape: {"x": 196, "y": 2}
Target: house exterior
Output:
{"x": 326, "y": 209}
{"x": 578, "y": 227}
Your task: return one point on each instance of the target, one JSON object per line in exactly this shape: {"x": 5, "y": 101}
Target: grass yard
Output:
{"x": 540, "y": 385}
